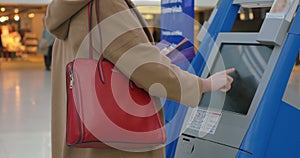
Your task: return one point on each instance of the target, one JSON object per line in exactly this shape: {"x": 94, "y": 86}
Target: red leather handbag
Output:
{"x": 105, "y": 109}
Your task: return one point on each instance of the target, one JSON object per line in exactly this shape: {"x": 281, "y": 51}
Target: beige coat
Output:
{"x": 67, "y": 20}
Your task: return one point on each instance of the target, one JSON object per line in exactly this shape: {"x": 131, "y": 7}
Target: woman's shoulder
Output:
{"x": 58, "y": 16}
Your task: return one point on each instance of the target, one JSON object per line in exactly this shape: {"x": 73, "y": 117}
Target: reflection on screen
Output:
{"x": 250, "y": 61}
{"x": 281, "y": 6}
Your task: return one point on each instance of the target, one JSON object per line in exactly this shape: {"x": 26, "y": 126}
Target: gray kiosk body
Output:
{"x": 217, "y": 127}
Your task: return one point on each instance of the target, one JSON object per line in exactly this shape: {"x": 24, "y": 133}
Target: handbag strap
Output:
{"x": 141, "y": 20}
{"x": 90, "y": 8}
{"x": 91, "y": 48}
{"x": 90, "y": 17}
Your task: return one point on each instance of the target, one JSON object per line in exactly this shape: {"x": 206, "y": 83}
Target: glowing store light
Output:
{"x": 16, "y": 10}
{"x": 148, "y": 16}
{"x": 16, "y": 17}
{"x": 2, "y": 9}
{"x": 4, "y": 18}
{"x": 31, "y": 15}
{"x": 242, "y": 16}
{"x": 251, "y": 16}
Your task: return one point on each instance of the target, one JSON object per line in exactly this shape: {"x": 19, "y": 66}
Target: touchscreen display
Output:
{"x": 250, "y": 62}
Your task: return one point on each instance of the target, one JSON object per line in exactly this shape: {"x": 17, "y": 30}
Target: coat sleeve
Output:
{"x": 59, "y": 14}
{"x": 126, "y": 44}
{"x": 134, "y": 55}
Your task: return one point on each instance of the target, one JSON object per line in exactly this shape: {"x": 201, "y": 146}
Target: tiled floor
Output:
{"x": 25, "y": 108}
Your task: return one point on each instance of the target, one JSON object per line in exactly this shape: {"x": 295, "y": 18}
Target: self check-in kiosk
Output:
{"x": 251, "y": 120}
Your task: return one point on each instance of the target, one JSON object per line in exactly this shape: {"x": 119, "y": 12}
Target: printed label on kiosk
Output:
{"x": 204, "y": 121}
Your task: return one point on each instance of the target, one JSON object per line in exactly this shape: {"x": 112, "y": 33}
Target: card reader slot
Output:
{"x": 194, "y": 137}
{"x": 185, "y": 139}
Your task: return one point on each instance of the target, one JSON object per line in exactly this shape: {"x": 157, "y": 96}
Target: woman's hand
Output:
{"x": 218, "y": 81}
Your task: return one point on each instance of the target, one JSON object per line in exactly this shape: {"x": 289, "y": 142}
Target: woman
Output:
{"x": 67, "y": 20}
{"x": 45, "y": 46}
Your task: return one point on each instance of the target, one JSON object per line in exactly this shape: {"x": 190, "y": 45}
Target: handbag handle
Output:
{"x": 99, "y": 65}
{"x": 100, "y": 69}
{"x": 90, "y": 9}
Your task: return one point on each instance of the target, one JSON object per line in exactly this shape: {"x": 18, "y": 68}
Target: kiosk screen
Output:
{"x": 250, "y": 61}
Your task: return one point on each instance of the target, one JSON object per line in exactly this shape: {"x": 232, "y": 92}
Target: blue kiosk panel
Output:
{"x": 275, "y": 129}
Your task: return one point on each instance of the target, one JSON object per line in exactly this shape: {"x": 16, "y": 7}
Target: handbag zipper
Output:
{"x": 71, "y": 78}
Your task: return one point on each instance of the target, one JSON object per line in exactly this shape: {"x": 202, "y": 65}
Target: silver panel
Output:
{"x": 273, "y": 31}
{"x": 203, "y": 31}
{"x": 195, "y": 148}
{"x": 254, "y": 3}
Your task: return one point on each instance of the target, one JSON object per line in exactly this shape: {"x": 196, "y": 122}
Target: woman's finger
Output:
{"x": 229, "y": 71}
{"x": 229, "y": 79}
{"x": 226, "y": 88}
